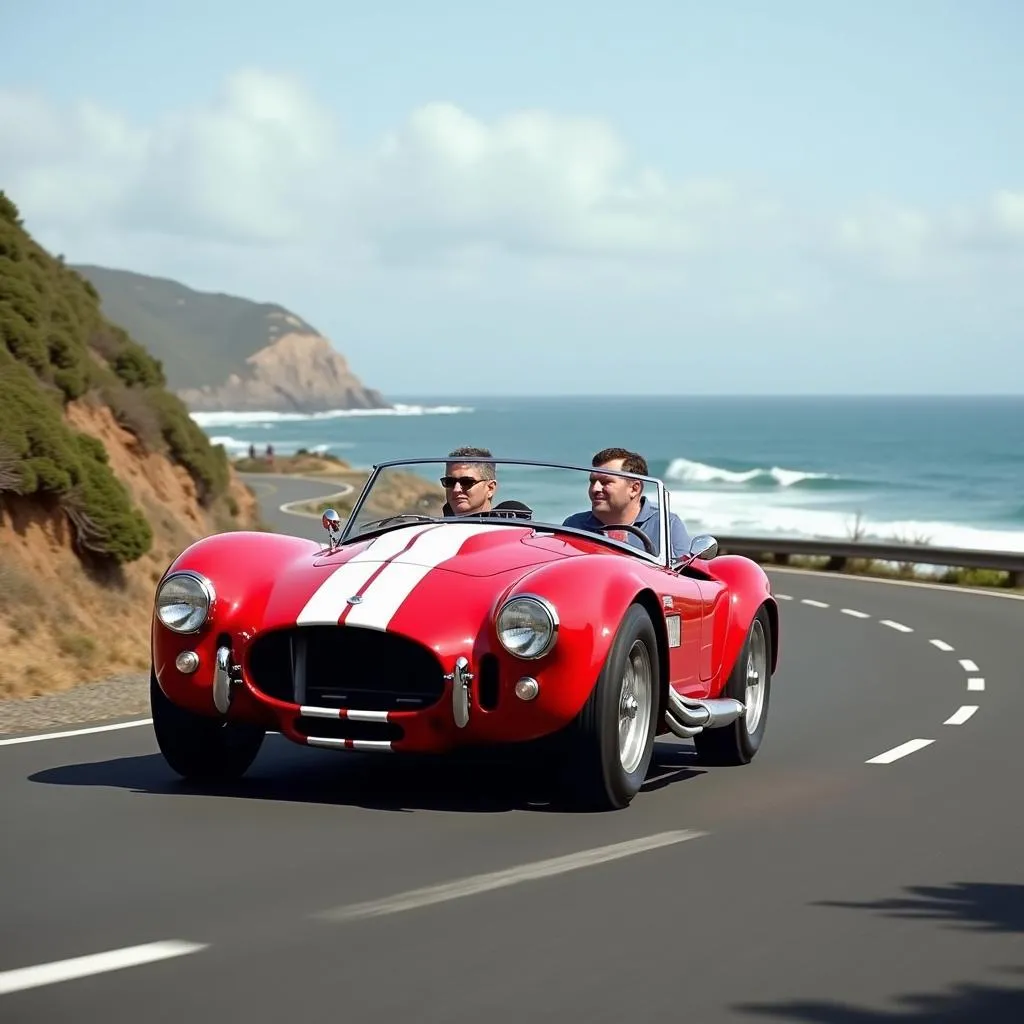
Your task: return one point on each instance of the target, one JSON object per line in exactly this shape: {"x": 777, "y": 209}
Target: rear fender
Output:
{"x": 749, "y": 590}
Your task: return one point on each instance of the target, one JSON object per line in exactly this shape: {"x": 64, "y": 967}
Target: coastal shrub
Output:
{"x": 52, "y": 460}
{"x": 55, "y": 347}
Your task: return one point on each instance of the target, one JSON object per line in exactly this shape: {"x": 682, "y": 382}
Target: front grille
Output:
{"x": 346, "y": 667}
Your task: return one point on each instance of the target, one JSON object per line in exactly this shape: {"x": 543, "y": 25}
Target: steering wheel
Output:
{"x": 630, "y": 528}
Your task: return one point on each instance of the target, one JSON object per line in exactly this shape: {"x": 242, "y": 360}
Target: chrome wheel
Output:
{"x": 757, "y": 672}
{"x": 635, "y": 702}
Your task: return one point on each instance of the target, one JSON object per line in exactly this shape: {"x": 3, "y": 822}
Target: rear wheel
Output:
{"x": 201, "y": 748}
{"x": 750, "y": 684}
{"x": 610, "y": 744}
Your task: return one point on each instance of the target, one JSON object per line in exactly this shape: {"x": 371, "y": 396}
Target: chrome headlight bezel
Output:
{"x": 544, "y": 615}
{"x": 202, "y": 594}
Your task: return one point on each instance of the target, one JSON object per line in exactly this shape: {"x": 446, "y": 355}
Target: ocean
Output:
{"x": 942, "y": 470}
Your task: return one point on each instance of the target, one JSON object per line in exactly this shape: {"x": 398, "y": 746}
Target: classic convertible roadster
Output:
{"x": 413, "y": 629}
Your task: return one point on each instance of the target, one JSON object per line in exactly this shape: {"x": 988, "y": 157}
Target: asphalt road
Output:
{"x": 811, "y": 885}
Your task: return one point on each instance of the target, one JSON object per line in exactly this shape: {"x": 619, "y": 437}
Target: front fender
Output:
{"x": 243, "y": 568}
{"x": 590, "y": 597}
{"x": 749, "y": 588}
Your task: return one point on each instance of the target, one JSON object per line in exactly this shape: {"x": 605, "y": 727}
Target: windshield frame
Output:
{"x": 664, "y": 559}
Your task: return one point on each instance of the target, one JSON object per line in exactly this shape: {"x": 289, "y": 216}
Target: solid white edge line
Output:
{"x": 910, "y": 747}
{"x": 39, "y": 737}
{"x": 941, "y": 644}
{"x": 967, "y": 665}
{"x": 22, "y": 978}
{"x": 947, "y": 588}
{"x": 475, "y": 884}
{"x": 961, "y": 714}
{"x": 976, "y": 684}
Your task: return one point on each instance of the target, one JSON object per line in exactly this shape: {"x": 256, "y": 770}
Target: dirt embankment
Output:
{"x": 62, "y": 624}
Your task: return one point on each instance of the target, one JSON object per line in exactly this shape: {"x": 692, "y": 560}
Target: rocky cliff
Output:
{"x": 298, "y": 372}
{"x": 221, "y": 352}
{"x": 104, "y": 478}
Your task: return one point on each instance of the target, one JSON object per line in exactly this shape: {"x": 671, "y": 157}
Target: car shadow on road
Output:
{"x": 477, "y": 782}
{"x": 969, "y": 906}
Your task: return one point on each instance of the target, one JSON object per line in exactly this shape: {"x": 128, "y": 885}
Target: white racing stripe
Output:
{"x": 98, "y": 963}
{"x": 328, "y": 601}
{"x": 386, "y": 594}
{"x": 463, "y": 887}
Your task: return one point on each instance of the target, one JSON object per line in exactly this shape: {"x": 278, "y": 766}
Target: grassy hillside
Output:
{"x": 55, "y": 349}
{"x": 200, "y": 338}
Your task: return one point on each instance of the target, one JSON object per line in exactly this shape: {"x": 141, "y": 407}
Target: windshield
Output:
{"x": 514, "y": 491}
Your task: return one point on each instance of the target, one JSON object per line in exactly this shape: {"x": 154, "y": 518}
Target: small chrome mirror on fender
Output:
{"x": 332, "y": 524}
{"x": 703, "y": 546}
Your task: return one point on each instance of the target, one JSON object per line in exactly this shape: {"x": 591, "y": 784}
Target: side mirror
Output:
{"x": 702, "y": 546}
{"x": 332, "y": 524}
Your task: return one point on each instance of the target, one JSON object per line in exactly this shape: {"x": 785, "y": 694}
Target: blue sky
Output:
{"x": 498, "y": 198}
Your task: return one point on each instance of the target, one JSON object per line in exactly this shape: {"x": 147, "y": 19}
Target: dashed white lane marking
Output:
{"x": 910, "y": 747}
{"x": 960, "y": 716}
{"x": 941, "y": 644}
{"x": 444, "y": 892}
{"x": 98, "y": 963}
{"x": 967, "y": 665}
{"x": 975, "y": 684}
{"x": 898, "y": 626}
{"x": 813, "y": 603}
{"x": 856, "y": 614}
{"x": 784, "y": 597}
{"x": 39, "y": 737}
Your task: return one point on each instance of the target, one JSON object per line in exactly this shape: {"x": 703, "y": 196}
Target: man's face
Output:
{"x": 612, "y": 496}
{"x": 466, "y": 489}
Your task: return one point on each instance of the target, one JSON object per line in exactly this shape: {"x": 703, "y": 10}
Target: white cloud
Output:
{"x": 265, "y": 163}
{"x": 263, "y": 168}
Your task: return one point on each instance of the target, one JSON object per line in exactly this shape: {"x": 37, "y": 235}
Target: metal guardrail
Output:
{"x": 840, "y": 552}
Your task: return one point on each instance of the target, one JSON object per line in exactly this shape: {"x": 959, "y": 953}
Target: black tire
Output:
{"x": 737, "y": 743}
{"x": 594, "y": 776}
{"x": 201, "y": 748}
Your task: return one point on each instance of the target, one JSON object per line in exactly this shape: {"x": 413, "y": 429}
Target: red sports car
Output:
{"x": 413, "y": 629}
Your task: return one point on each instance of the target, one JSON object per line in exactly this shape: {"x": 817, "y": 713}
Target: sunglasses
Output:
{"x": 467, "y": 482}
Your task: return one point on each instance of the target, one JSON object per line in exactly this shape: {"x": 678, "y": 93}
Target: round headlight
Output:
{"x": 527, "y": 627}
{"x": 183, "y": 602}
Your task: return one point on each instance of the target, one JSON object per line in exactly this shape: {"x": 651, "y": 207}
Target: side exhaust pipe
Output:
{"x": 687, "y": 716}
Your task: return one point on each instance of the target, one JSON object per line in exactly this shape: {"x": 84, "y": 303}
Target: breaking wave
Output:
{"x": 268, "y": 418}
{"x": 701, "y": 474}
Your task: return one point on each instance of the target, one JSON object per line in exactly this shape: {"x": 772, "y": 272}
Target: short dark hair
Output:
{"x": 467, "y": 453}
{"x": 632, "y": 462}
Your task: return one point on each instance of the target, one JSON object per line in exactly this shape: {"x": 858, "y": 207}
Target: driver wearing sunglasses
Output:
{"x": 469, "y": 486}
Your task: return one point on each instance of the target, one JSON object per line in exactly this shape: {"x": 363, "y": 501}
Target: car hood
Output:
{"x": 414, "y": 569}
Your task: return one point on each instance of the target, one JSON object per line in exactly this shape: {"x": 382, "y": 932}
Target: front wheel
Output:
{"x": 611, "y": 742}
{"x": 199, "y": 748}
{"x": 750, "y": 683}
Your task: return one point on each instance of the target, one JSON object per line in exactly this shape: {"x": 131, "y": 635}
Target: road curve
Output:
{"x": 811, "y": 885}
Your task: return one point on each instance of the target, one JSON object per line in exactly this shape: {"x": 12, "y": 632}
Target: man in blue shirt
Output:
{"x": 619, "y": 501}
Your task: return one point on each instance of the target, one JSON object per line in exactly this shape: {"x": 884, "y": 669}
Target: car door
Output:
{"x": 683, "y": 605}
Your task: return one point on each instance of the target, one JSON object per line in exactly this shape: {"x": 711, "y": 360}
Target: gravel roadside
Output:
{"x": 120, "y": 696}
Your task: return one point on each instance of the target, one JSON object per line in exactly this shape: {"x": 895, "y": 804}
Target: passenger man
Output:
{"x": 619, "y": 501}
{"x": 469, "y": 486}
